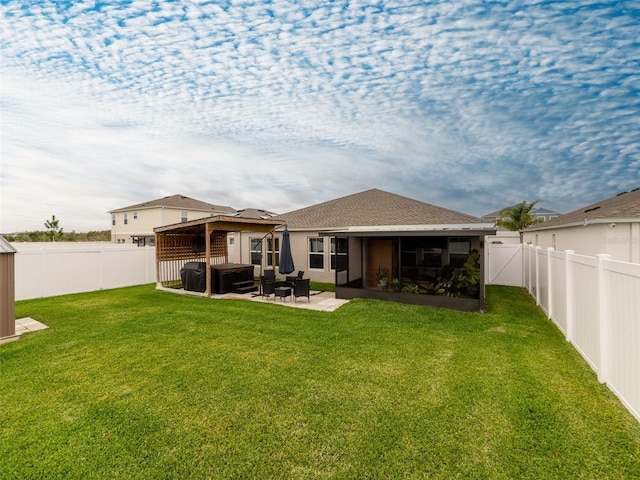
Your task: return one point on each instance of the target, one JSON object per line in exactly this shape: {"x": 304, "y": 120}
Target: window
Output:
{"x": 126, "y": 220}
{"x": 255, "y": 248}
{"x": 135, "y": 215}
{"x": 421, "y": 257}
{"x": 113, "y": 219}
{"x": 270, "y": 251}
{"x": 316, "y": 253}
{"x": 459, "y": 249}
{"x": 339, "y": 249}
{"x": 232, "y": 241}
{"x": 184, "y": 216}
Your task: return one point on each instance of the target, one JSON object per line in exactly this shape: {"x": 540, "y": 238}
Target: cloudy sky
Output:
{"x": 281, "y": 104}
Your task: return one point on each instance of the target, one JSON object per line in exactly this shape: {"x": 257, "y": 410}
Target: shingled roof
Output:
{"x": 178, "y": 202}
{"x": 624, "y": 207}
{"x": 374, "y": 208}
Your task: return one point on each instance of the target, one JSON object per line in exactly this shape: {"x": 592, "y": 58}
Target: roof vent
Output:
{"x": 591, "y": 209}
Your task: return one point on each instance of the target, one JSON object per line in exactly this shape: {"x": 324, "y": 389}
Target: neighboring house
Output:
{"x": 538, "y": 212}
{"x": 135, "y": 223}
{"x": 611, "y": 226}
{"x": 414, "y": 241}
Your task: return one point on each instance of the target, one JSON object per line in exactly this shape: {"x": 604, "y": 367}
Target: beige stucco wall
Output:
{"x": 621, "y": 241}
{"x": 240, "y": 252}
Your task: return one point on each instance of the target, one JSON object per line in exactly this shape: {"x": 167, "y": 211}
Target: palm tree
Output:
{"x": 518, "y": 217}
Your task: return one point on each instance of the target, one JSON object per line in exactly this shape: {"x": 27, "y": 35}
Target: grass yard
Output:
{"x": 135, "y": 383}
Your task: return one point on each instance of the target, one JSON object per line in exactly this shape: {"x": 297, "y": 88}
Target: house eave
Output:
{"x": 222, "y": 211}
{"x": 582, "y": 223}
{"x": 473, "y": 229}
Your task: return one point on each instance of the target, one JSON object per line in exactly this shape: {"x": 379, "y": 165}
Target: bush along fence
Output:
{"x": 595, "y": 302}
{"x": 46, "y": 270}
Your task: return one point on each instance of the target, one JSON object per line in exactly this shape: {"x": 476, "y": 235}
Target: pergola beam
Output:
{"x": 178, "y": 243}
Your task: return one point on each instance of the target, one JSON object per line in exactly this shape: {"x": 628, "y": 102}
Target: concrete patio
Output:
{"x": 320, "y": 301}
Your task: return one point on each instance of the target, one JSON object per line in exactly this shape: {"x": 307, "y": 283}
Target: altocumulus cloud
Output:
{"x": 470, "y": 105}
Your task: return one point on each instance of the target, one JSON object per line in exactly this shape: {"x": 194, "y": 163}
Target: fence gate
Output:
{"x": 505, "y": 264}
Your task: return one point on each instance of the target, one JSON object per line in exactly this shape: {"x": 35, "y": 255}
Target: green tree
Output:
{"x": 54, "y": 232}
{"x": 518, "y": 217}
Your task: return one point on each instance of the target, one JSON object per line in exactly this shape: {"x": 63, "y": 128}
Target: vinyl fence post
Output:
{"x": 530, "y": 286}
{"x": 537, "y": 251}
{"x": 604, "y": 320}
{"x": 550, "y": 283}
{"x": 569, "y": 287}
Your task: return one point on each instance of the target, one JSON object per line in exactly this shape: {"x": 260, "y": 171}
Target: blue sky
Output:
{"x": 470, "y": 105}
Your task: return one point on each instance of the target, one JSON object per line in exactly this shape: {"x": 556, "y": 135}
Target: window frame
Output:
{"x": 334, "y": 254}
{"x": 268, "y": 252}
{"x": 255, "y": 242}
{"x": 311, "y": 253}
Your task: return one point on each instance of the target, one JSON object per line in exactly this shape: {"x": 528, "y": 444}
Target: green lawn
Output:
{"x": 135, "y": 383}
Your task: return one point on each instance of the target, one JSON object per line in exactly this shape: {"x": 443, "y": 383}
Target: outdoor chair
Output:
{"x": 301, "y": 288}
{"x": 293, "y": 279}
{"x": 268, "y": 282}
{"x": 270, "y": 275}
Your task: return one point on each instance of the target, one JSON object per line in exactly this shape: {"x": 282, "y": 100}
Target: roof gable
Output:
{"x": 624, "y": 206}
{"x": 177, "y": 201}
{"x": 256, "y": 213}
{"x": 535, "y": 211}
{"x": 373, "y": 208}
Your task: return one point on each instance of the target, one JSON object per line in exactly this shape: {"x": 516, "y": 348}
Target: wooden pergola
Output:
{"x": 203, "y": 240}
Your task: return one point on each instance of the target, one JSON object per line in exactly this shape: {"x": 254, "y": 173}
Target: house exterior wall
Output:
{"x": 361, "y": 254}
{"x": 240, "y": 252}
{"x": 147, "y": 219}
{"x": 622, "y": 242}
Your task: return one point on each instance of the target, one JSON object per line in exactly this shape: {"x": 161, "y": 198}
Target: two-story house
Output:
{"x": 135, "y": 223}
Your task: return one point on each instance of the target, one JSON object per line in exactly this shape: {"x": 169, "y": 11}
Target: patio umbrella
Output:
{"x": 286, "y": 259}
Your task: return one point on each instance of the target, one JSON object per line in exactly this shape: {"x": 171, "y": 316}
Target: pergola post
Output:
{"x": 207, "y": 242}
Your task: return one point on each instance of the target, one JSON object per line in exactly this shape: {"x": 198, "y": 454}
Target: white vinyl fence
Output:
{"x": 49, "y": 269}
{"x": 595, "y": 302}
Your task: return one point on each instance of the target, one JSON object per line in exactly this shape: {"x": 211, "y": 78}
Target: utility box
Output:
{"x": 7, "y": 289}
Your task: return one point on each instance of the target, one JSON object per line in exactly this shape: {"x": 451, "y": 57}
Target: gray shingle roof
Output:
{"x": 624, "y": 206}
{"x": 177, "y": 201}
{"x": 374, "y": 208}
{"x": 255, "y": 213}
